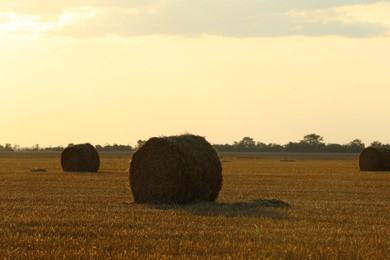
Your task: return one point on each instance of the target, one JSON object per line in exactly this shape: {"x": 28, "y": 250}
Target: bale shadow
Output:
{"x": 267, "y": 208}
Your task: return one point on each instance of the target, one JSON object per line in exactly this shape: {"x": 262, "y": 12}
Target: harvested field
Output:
{"x": 268, "y": 208}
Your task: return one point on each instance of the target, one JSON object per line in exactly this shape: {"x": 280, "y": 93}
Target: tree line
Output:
{"x": 309, "y": 144}
{"x": 106, "y": 148}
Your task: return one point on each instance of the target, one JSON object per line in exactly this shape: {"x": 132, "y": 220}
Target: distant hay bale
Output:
{"x": 374, "y": 159}
{"x": 80, "y": 158}
{"x": 175, "y": 169}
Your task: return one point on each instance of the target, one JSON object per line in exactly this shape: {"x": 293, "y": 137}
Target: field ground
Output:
{"x": 270, "y": 206}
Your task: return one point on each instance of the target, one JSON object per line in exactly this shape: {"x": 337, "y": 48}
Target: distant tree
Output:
{"x": 246, "y": 144}
{"x": 309, "y": 143}
{"x": 114, "y": 148}
{"x": 224, "y": 147}
{"x": 334, "y": 148}
{"x": 295, "y": 147}
{"x": 35, "y": 147}
{"x": 6, "y": 148}
{"x": 312, "y": 139}
{"x": 53, "y": 149}
{"x": 260, "y": 147}
{"x": 355, "y": 146}
{"x": 140, "y": 143}
{"x": 376, "y": 144}
{"x": 312, "y": 143}
{"x": 272, "y": 147}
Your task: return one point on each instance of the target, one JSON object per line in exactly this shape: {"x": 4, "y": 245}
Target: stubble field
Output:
{"x": 279, "y": 206}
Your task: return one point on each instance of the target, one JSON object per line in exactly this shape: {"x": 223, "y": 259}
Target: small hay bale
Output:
{"x": 80, "y": 158}
{"x": 175, "y": 169}
{"x": 374, "y": 159}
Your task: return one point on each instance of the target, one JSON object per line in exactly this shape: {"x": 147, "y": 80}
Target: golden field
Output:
{"x": 279, "y": 206}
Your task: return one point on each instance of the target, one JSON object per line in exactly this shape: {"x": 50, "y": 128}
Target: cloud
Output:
{"x": 236, "y": 18}
{"x": 35, "y": 24}
{"x": 374, "y": 14}
{"x": 353, "y": 21}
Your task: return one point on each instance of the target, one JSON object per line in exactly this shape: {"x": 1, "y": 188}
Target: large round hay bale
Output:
{"x": 175, "y": 169}
{"x": 374, "y": 159}
{"x": 80, "y": 158}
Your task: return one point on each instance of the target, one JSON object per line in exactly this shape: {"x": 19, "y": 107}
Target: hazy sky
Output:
{"x": 116, "y": 71}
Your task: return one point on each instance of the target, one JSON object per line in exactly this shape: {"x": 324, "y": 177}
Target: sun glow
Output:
{"x": 122, "y": 71}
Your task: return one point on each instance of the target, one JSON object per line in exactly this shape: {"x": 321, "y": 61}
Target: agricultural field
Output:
{"x": 270, "y": 206}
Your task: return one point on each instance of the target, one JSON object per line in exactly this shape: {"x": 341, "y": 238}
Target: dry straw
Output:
{"x": 374, "y": 159}
{"x": 175, "y": 169}
{"x": 80, "y": 158}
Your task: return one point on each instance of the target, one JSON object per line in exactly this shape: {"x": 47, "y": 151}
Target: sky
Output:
{"x": 118, "y": 71}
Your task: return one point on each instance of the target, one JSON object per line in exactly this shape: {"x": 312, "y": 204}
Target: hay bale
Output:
{"x": 175, "y": 169}
{"x": 374, "y": 159}
{"x": 80, "y": 158}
